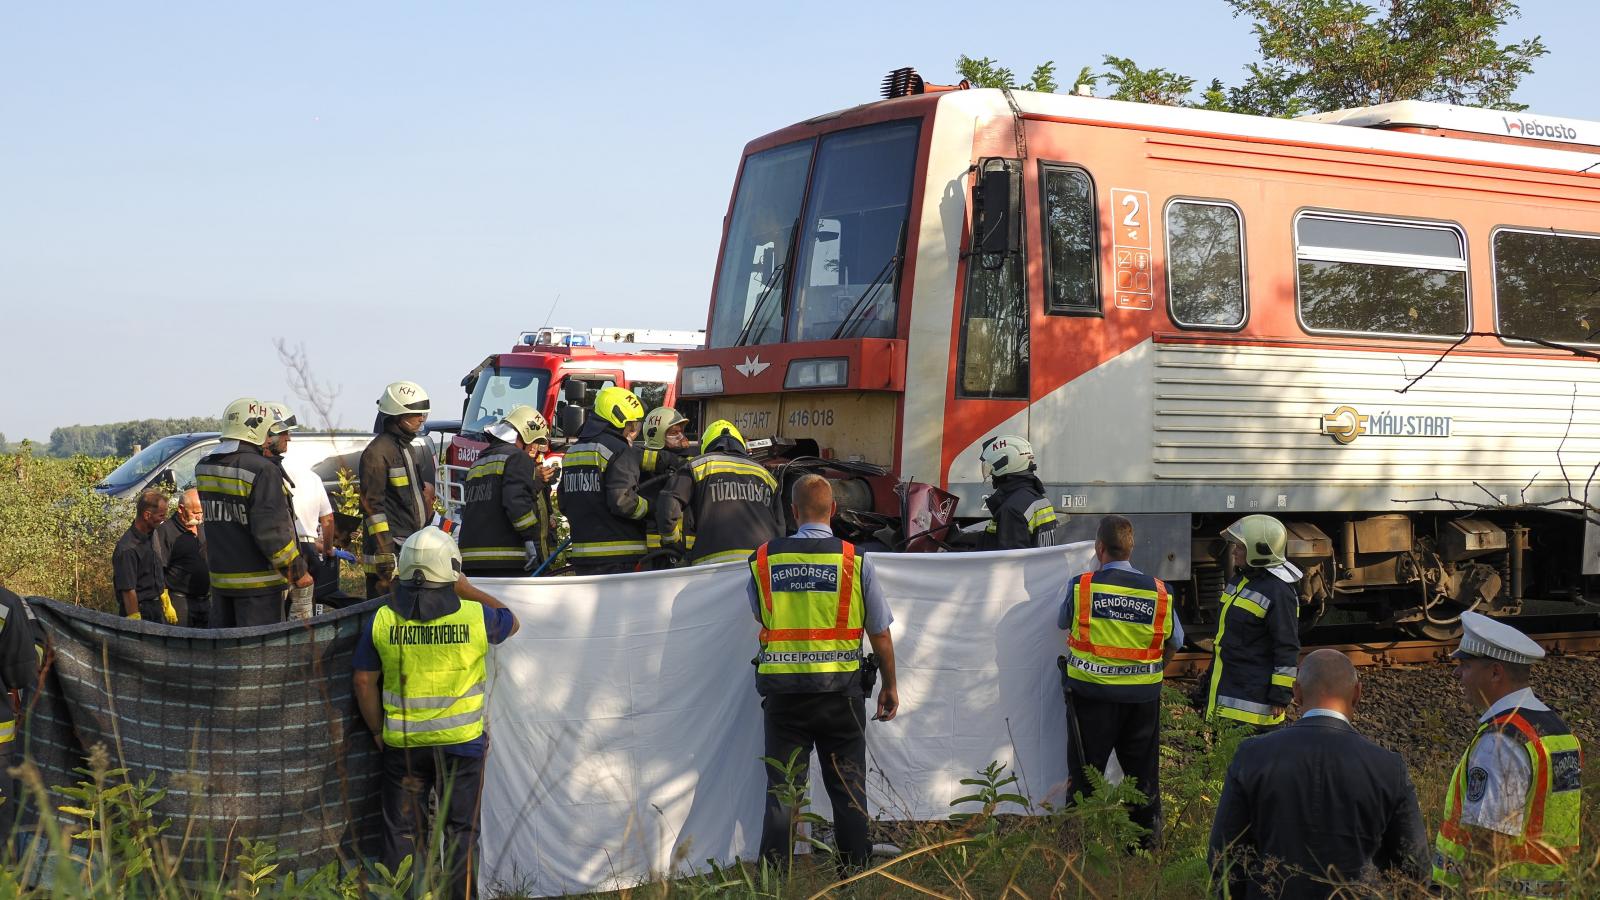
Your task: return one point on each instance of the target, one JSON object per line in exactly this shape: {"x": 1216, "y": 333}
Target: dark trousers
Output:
{"x": 1131, "y": 729}
{"x": 411, "y": 779}
{"x": 324, "y": 569}
{"x": 835, "y": 725}
{"x": 196, "y": 611}
{"x": 245, "y": 610}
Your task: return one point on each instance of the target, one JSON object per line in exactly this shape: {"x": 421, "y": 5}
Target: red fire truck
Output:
{"x": 558, "y": 371}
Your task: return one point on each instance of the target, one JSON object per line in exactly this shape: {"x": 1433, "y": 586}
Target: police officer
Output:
{"x": 812, "y": 682}
{"x": 505, "y": 524}
{"x": 602, "y": 502}
{"x": 1256, "y": 653}
{"x": 665, "y": 450}
{"x": 1021, "y": 515}
{"x": 731, "y": 498}
{"x": 1122, "y": 629}
{"x": 1512, "y": 809}
{"x": 426, "y": 649}
{"x": 396, "y": 481}
{"x": 250, "y": 538}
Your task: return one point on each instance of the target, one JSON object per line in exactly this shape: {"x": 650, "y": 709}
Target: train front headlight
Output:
{"x": 817, "y": 373}
{"x": 702, "y": 380}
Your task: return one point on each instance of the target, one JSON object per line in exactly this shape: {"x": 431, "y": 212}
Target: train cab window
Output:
{"x": 1205, "y": 264}
{"x": 1547, "y": 285}
{"x": 750, "y": 297}
{"x": 853, "y": 235}
{"x": 994, "y": 326}
{"x": 1380, "y": 276}
{"x": 1070, "y": 230}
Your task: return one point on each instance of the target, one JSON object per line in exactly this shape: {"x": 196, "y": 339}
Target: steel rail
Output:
{"x": 1399, "y": 653}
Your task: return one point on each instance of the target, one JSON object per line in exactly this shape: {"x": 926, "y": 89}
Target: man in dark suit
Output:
{"x": 1316, "y": 805}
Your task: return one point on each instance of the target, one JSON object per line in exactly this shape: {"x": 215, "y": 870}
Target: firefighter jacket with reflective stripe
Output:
{"x": 1119, "y": 629}
{"x": 1022, "y": 516}
{"x": 601, "y": 505}
{"x": 505, "y": 506}
{"x": 1256, "y": 654}
{"x": 395, "y": 473}
{"x": 654, "y": 468}
{"x": 731, "y": 499}
{"x": 812, "y": 613}
{"x": 1535, "y": 863}
{"x": 434, "y": 677}
{"x": 251, "y": 544}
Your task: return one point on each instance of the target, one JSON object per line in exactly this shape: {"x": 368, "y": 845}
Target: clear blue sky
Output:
{"x": 403, "y": 187}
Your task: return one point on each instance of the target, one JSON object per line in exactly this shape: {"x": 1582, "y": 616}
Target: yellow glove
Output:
{"x": 167, "y": 610}
{"x": 135, "y": 616}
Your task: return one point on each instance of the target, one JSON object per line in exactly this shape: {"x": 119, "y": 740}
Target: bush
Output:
{"x": 58, "y": 533}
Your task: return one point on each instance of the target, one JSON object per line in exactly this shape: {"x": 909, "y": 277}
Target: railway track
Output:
{"x": 1399, "y": 653}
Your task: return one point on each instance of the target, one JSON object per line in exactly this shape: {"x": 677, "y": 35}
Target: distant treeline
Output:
{"x": 117, "y": 438}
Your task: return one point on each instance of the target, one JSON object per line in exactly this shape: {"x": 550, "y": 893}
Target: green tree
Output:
{"x": 1320, "y": 55}
{"x": 1129, "y": 82}
{"x": 986, "y": 73}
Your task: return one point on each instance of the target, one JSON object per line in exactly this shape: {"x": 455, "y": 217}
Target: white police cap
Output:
{"x": 1483, "y": 636}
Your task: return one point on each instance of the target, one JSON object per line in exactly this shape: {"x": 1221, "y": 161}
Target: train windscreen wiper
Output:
{"x": 778, "y": 274}
{"x": 861, "y": 305}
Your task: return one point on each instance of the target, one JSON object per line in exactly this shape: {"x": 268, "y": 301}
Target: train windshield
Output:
{"x": 823, "y": 263}
{"x": 498, "y": 392}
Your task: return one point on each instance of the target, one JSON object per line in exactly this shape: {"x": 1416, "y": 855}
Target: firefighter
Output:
{"x": 731, "y": 499}
{"x": 1514, "y": 805}
{"x": 601, "y": 503}
{"x": 1122, "y": 628}
{"x": 1256, "y": 653}
{"x": 812, "y": 681}
{"x": 505, "y": 523}
{"x": 666, "y": 448}
{"x": 421, "y": 684}
{"x": 251, "y": 544}
{"x": 1021, "y": 515}
{"x": 396, "y": 482}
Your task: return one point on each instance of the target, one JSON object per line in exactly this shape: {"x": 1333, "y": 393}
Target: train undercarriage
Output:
{"x": 1414, "y": 572}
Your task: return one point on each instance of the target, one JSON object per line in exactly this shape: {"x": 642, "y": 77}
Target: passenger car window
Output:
{"x": 994, "y": 325}
{"x": 1547, "y": 285}
{"x": 1070, "y": 230}
{"x": 1380, "y": 276}
{"x": 1205, "y": 264}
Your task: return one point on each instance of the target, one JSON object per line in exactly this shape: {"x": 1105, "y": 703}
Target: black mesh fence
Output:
{"x": 252, "y": 732}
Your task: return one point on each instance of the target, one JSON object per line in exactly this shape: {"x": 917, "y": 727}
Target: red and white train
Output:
{"x": 1192, "y": 315}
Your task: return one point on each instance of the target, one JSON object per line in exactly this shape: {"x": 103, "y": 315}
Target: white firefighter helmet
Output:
{"x": 247, "y": 420}
{"x": 658, "y": 423}
{"x": 1264, "y": 540}
{"x": 1005, "y": 454}
{"x": 403, "y": 398}
{"x": 283, "y": 419}
{"x": 428, "y": 558}
{"x": 524, "y": 422}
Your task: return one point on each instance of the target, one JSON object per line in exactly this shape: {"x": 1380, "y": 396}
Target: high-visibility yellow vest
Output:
{"x": 1118, "y": 633}
{"x": 1536, "y": 863}
{"x": 812, "y": 615}
{"x": 434, "y": 677}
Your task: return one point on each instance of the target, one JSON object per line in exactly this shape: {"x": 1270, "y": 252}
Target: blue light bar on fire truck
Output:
{"x": 702, "y": 380}
{"x": 815, "y": 373}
